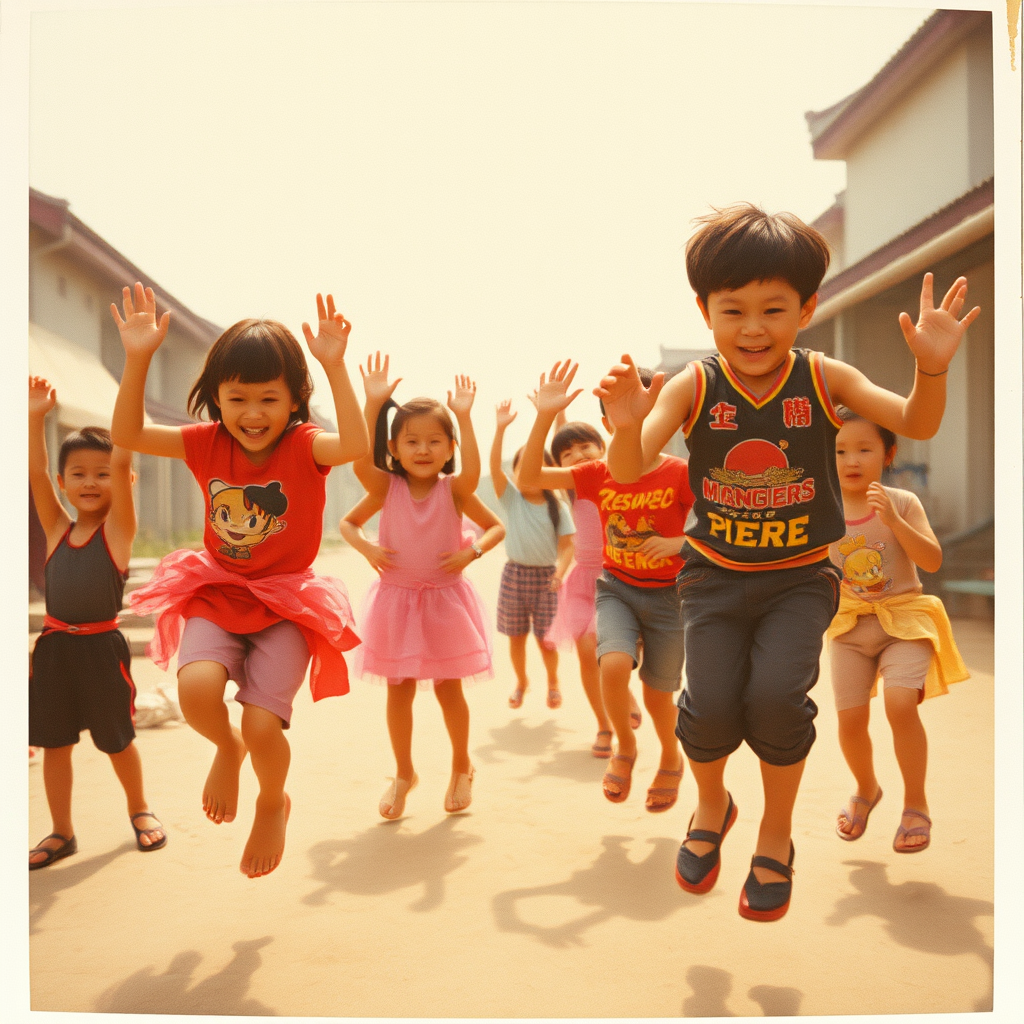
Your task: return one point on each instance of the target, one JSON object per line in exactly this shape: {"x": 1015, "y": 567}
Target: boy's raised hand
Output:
{"x": 503, "y": 413}
{"x": 462, "y": 401}
{"x": 552, "y": 395}
{"x": 141, "y": 333}
{"x": 936, "y": 336}
{"x": 375, "y": 380}
{"x": 41, "y": 396}
{"x": 626, "y": 401}
{"x": 331, "y": 339}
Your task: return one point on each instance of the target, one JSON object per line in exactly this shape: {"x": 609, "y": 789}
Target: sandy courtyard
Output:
{"x": 543, "y": 900}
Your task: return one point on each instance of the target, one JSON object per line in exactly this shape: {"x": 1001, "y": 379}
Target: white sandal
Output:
{"x": 392, "y": 803}
{"x": 460, "y": 793}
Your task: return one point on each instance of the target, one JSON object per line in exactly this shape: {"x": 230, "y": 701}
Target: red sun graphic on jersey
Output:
{"x": 756, "y": 462}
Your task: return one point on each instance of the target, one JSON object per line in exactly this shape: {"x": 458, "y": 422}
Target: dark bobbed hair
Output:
{"x": 95, "y": 439}
{"x": 417, "y": 407}
{"x": 253, "y": 352}
{"x": 549, "y": 496}
{"x": 646, "y": 376}
{"x": 576, "y": 432}
{"x": 741, "y": 243}
{"x": 887, "y": 436}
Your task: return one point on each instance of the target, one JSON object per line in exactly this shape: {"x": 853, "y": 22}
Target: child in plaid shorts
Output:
{"x": 538, "y": 541}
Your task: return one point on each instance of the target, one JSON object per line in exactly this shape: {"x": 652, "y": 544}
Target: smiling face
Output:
{"x": 422, "y": 446}
{"x": 860, "y": 456}
{"x": 86, "y": 481}
{"x": 580, "y": 451}
{"x": 755, "y": 327}
{"x": 256, "y": 415}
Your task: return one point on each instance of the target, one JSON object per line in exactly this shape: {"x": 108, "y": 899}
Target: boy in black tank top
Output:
{"x": 80, "y": 671}
{"x": 757, "y": 588}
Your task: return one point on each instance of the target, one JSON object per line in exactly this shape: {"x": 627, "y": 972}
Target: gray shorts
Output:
{"x": 867, "y": 651}
{"x": 628, "y": 615}
{"x": 268, "y": 666}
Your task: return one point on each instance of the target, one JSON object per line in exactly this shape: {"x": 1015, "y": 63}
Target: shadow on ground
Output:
{"x": 520, "y": 739}
{"x": 388, "y": 857}
{"x": 613, "y": 885}
{"x": 174, "y": 991}
{"x": 46, "y": 884}
{"x": 919, "y": 915}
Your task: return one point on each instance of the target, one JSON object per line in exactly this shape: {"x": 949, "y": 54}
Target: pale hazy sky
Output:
{"x": 486, "y": 187}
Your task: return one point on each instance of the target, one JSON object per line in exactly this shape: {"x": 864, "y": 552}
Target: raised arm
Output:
{"x": 934, "y": 340}
{"x": 329, "y": 347}
{"x": 378, "y": 390}
{"x": 465, "y": 481}
{"x": 122, "y": 521}
{"x": 54, "y": 520}
{"x": 503, "y": 415}
{"x": 551, "y": 397}
{"x": 141, "y": 335}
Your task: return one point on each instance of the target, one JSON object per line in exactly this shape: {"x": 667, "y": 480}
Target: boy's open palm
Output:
{"x": 552, "y": 394}
{"x": 626, "y": 401}
{"x": 331, "y": 339}
{"x": 41, "y": 396}
{"x": 462, "y": 400}
{"x": 141, "y": 332}
{"x": 936, "y": 336}
{"x": 376, "y": 386}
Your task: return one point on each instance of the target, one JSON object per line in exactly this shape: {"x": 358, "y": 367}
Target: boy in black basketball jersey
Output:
{"x": 757, "y": 589}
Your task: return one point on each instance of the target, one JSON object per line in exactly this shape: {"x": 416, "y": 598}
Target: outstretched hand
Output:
{"x": 503, "y": 413}
{"x": 626, "y": 400}
{"x": 331, "y": 339}
{"x": 375, "y": 380}
{"x": 462, "y": 401}
{"x": 936, "y": 336}
{"x": 42, "y": 397}
{"x": 552, "y": 394}
{"x": 141, "y": 332}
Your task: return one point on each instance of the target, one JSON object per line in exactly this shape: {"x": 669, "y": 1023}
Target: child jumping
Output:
{"x": 636, "y": 605}
{"x": 885, "y": 627}
{"x": 424, "y": 621}
{"x": 253, "y": 610}
{"x": 539, "y": 545}
{"x": 758, "y": 589}
{"x": 80, "y": 674}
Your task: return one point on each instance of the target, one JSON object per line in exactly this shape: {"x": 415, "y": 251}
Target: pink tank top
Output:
{"x": 420, "y": 532}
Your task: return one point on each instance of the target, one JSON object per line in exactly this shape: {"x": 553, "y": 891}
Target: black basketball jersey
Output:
{"x": 763, "y": 470}
{"x": 82, "y": 583}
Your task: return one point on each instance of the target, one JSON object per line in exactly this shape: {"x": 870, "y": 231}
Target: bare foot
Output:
{"x": 460, "y": 791}
{"x": 265, "y": 847}
{"x": 392, "y": 803}
{"x": 220, "y": 792}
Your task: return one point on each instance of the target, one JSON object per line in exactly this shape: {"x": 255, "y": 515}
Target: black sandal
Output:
{"x": 767, "y": 901}
{"x": 140, "y": 832}
{"x": 699, "y": 874}
{"x": 67, "y": 847}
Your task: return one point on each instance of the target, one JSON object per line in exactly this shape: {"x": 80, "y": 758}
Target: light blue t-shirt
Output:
{"x": 529, "y": 536}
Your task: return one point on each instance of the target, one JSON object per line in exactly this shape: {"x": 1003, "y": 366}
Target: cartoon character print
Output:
{"x": 862, "y": 566}
{"x": 243, "y": 517}
{"x": 622, "y": 536}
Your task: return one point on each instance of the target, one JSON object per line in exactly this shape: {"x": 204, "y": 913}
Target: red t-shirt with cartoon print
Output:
{"x": 260, "y": 520}
{"x": 656, "y": 505}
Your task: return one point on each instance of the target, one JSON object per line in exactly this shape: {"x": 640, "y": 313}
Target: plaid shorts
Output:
{"x": 525, "y": 594}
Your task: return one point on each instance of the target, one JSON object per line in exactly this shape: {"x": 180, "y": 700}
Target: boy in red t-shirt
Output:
{"x": 637, "y": 608}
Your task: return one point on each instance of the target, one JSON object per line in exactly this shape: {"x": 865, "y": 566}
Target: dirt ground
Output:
{"x": 542, "y": 900}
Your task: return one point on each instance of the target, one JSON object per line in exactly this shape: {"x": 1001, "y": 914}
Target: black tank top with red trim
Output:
{"x": 763, "y": 470}
{"x": 82, "y": 583}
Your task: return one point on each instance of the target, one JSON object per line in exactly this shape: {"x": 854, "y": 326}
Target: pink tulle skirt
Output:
{"x": 576, "y": 615}
{"x": 424, "y": 633}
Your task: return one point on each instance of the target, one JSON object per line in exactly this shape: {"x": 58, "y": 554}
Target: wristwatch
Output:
{"x": 477, "y": 551}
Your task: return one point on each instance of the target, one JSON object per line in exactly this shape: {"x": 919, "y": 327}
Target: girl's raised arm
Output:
{"x": 329, "y": 346}
{"x": 550, "y": 398}
{"x": 465, "y": 481}
{"x": 504, "y": 416}
{"x": 378, "y": 392}
{"x": 141, "y": 335}
{"x": 54, "y": 520}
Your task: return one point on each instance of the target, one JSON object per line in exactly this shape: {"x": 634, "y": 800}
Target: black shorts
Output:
{"x": 753, "y": 645}
{"x": 81, "y": 682}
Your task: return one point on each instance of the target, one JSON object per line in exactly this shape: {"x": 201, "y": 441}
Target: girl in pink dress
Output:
{"x": 248, "y": 607}
{"x": 424, "y": 621}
